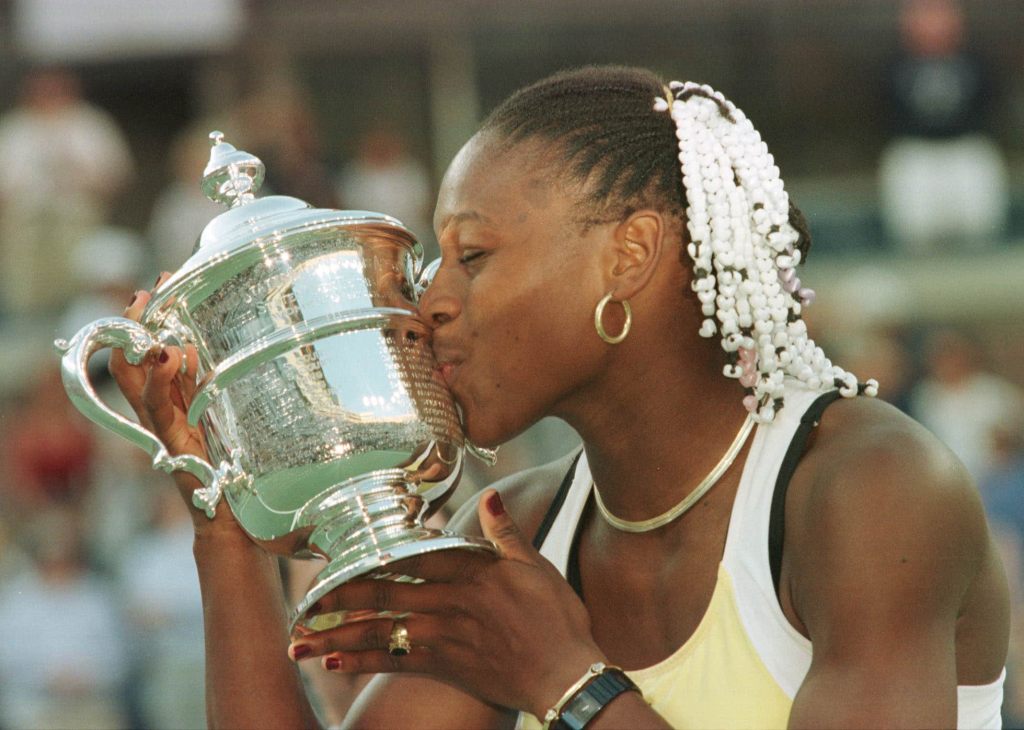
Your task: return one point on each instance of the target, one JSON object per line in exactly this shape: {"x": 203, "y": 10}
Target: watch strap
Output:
{"x": 585, "y": 705}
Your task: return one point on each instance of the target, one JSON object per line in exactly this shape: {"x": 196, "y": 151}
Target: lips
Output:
{"x": 448, "y": 362}
{"x": 447, "y": 372}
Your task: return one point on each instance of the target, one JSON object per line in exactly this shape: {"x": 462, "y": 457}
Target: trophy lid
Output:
{"x": 233, "y": 177}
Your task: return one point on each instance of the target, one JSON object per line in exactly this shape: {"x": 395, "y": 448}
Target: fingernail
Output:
{"x": 301, "y": 651}
{"x": 315, "y": 608}
{"x": 332, "y": 663}
{"x": 495, "y": 506}
{"x": 134, "y": 297}
{"x": 164, "y": 357}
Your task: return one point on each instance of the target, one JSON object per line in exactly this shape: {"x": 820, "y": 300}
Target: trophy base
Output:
{"x": 363, "y": 525}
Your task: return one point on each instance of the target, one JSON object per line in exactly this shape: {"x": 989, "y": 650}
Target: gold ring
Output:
{"x": 399, "y": 644}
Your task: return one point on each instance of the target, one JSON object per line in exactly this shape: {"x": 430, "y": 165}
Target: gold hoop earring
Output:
{"x": 599, "y": 325}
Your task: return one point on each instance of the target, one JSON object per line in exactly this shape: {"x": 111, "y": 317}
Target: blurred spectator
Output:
{"x": 118, "y": 505}
{"x": 62, "y": 161}
{"x": 62, "y": 660}
{"x": 12, "y": 557}
{"x": 107, "y": 265}
{"x": 47, "y": 448}
{"x": 182, "y": 211}
{"x": 962, "y": 403}
{"x": 1002, "y": 485}
{"x": 385, "y": 178}
{"x": 943, "y": 181}
{"x": 1002, "y": 490}
{"x": 165, "y": 613}
{"x": 881, "y": 355}
{"x": 277, "y": 123}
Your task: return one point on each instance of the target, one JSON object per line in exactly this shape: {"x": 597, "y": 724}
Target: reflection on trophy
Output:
{"x": 328, "y": 429}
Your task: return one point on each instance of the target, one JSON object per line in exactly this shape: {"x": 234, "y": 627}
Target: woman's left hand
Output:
{"x": 507, "y": 629}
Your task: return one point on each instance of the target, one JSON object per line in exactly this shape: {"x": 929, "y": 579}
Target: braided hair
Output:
{"x": 703, "y": 165}
{"x": 613, "y": 144}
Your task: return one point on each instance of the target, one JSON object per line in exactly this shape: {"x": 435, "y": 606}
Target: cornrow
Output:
{"x": 600, "y": 119}
{"x": 742, "y": 234}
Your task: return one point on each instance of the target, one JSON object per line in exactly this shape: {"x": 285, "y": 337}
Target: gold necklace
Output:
{"x": 689, "y": 500}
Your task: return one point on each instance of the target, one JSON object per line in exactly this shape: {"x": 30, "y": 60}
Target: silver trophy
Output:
{"x": 329, "y": 430}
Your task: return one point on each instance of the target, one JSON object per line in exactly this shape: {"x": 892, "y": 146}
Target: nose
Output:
{"x": 439, "y": 302}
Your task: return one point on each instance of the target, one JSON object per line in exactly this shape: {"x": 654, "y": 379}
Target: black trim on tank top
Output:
{"x": 556, "y": 505}
{"x": 777, "y": 518}
{"x": 572, "y": 566}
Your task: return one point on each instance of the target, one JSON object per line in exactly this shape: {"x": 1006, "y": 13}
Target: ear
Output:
{"x": 636, "y": 249}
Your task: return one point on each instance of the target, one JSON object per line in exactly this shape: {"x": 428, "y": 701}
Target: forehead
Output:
{"x": 493, "y": 180}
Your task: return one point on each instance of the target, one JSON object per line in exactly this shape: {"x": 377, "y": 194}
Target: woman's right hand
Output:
{"x": 160, "y": 394}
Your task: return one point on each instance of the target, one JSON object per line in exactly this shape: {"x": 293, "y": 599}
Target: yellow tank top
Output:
{"x": 715, "y": 680}
{"x": 744, "y": 663}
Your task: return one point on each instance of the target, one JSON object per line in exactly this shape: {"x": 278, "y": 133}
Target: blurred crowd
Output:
{"x": 99, "y": 603}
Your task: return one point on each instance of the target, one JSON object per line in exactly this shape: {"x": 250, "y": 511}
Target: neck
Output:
{"x": 651, "y": 439}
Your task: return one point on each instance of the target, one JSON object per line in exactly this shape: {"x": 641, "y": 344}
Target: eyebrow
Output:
{"x": 469, "y": 215}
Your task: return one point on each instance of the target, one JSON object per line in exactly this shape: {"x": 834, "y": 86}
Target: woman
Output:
{"x": 583, "y": 276}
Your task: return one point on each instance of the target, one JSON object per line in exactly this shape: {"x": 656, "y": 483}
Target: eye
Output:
{"x": 471, "y": 255}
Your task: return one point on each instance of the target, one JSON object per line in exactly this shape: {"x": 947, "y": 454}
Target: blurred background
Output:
{"x": 897, "y": 126}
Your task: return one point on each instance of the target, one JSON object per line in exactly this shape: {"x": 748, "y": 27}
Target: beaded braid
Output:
{"x": 744, "y": 250}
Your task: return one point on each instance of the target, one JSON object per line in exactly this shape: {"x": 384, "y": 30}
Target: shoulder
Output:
{"x": 526, "y": 494}
{"x": 882, "y": 515}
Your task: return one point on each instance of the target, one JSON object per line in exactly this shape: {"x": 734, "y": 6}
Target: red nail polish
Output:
{"x": 495, "y": 506}
{"x": 134, "y": 297}
{"x": 164, "y": 357}
{"x": 301, "y": 651}
{"x": 332, "y": 663}
{"x": 315, "y": 608}
{"x": 158, "y": 278}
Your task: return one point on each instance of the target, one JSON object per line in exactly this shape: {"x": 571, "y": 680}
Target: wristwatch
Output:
{"x": 592, "y": 698}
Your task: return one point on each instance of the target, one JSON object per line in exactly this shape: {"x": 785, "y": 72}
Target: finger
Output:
{"x": 382, "y": 594}
{"x": 419, "y": 661}
{"x": 130, "y": 378}
{"x": 424, "y": 630}
{"x": 187, "y": 380}
{"x": 501, "y": 529}
{"x": 133, "y": 311}
{"x": 137, "y": 305}
{"x": 164, "y": 276}
{"x": 156, "y": 393}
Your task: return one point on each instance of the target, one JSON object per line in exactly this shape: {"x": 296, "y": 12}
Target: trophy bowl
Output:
{"x": 329, "y": 431}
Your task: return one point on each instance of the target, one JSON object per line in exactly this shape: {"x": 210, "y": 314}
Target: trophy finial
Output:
{"x": 232, "y": 176}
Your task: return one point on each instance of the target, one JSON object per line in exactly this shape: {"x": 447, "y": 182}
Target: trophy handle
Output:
{"x": 135, "y": 340}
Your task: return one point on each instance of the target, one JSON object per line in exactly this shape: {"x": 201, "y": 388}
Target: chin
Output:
{"x": 488, "y": 433}
{"x": 483, "y": 437}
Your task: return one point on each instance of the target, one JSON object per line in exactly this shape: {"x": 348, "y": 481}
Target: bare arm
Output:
{"x": 250, "y": 680}
{"x": 887, "y": 544}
